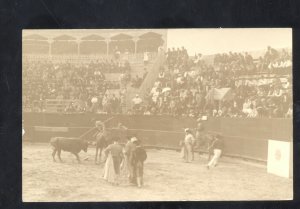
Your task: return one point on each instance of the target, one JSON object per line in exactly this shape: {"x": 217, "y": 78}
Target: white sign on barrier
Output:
{"x": 280, "y": 158}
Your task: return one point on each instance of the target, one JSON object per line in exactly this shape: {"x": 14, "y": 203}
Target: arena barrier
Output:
{"x": 246, "y": 138}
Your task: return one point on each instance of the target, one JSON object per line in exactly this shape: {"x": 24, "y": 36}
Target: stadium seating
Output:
{"x": 174, "y": 85}
{"x": 73, "y": 77}
{"x": 261, "y": 87}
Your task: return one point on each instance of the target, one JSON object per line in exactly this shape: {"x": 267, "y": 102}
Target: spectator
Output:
{"x": 137, "y": 101}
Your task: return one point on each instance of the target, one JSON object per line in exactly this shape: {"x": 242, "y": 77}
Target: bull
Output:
{"x": 72, "y": 145}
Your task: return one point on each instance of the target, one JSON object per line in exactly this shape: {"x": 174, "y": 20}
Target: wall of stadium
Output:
{"x": 247, "y": 138}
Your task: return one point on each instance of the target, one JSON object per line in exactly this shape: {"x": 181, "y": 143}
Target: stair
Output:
{"x": 138, "y": 69}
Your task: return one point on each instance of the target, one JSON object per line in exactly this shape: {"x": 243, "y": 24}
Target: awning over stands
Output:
{"x": 64, "y": 38}
{"x": 149, "y": 42}
{"x": 93, "y": 37}
{"x": 35, "y": 37}
{"x": 121, "y": 37}
{"x": 93, "y": 44}
{"x": 224, "y": 94}
{"x": 121, "y": 42}
{"x": 64, "y": 44}
{"x": 35, "y": 44}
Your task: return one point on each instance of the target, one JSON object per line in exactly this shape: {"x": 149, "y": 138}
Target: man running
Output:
{"x": 217, "y": 147}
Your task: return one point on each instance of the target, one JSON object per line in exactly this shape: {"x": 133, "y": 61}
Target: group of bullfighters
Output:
{"x": 120, "y": 159}
{"x": 128, "y": 159}
{"x": 198, "y": 139}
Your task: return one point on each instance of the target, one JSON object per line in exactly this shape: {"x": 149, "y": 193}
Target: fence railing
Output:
{"x": 58, "y": 105}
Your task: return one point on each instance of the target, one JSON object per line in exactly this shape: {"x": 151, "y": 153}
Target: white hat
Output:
{"x": 134, "y": 139}
{"x": 186, "y": 130}
{"x": 98, "y": 123}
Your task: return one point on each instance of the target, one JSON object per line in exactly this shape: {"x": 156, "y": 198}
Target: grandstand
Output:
{"x": 119, "y": 59}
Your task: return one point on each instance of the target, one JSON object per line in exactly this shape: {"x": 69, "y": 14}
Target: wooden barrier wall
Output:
{"x": 246, "y": 138}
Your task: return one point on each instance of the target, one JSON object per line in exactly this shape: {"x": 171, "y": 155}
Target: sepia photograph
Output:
{"x": 157, "y": 114}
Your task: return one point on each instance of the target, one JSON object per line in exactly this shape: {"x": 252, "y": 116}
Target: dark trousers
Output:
{"x": 139, "y": 169}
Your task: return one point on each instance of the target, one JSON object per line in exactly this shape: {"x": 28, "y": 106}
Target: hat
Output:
{"x": 134, "y": 139}
{"x": 187, "y": 130}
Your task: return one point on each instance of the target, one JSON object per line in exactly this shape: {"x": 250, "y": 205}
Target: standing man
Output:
{"x": 217, "y": 146}
{"x": 200, "y": 136}
{"x": 114, "y": 153}
{"x": 122, "y": 132}
{"x": 137, "y": 103}
{"x": 139, "y": 156}
{"x": 128, "y": 150}
{"x": 187, "y": 145}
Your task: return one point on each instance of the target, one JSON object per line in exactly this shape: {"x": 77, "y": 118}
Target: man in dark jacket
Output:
{"x": 139, "y": 155}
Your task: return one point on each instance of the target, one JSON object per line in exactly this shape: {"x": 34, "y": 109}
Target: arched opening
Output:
{"x": 35, "y": 44}
{"x": 121, "y": 42}
{"x": 149, "y": 42}
{"x": 93, "y": 44}
{"x": 64, "y": 44}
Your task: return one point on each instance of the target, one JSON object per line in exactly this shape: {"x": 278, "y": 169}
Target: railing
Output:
{"x": 58, "y": 105}
{"x": 84, "y": 58}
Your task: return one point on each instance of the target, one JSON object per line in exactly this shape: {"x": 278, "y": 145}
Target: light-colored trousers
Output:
{"x": 213, "y": 162}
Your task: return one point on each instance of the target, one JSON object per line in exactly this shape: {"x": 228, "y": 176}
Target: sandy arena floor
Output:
{"x": 166, "y": 178}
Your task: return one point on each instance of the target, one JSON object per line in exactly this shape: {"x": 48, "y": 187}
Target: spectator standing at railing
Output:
{"x": 146, "y": 58}
{"x": 137, "y": 103}
{"x": 289, "y": 113}
{"x": 94, "y": 102}
{"x": 115, "y": 103}
{"x": 145, "y": 73}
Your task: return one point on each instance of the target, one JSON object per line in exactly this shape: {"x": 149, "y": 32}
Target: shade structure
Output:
{"x": 93, "y": 37}
{"x": 64, "y": 38}
{"x": 35, "y": 44}
{"x": 35, "y": 37}
{"x": 93, "y": 47}
{"x": 64, "y": 44}
{"x": 224, "y": 94}
{"x": 149, "y": 42}
{"x": 120, "y": 37}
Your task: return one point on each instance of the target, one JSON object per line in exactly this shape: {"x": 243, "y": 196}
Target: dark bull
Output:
{"x": 72, "y": 145}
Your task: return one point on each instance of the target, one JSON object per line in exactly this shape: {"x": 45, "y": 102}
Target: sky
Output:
{"x": 212, "y": 41}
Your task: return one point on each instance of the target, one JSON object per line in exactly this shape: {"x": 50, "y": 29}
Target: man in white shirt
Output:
{"x": 137, "y": 101}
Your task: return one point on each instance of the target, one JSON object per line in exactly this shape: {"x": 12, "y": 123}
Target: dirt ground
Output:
{"x": 167, "y": 178}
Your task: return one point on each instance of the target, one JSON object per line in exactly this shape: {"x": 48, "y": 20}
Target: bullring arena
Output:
{"x": 72, "y": 79}
{"x": 167, "y": 178}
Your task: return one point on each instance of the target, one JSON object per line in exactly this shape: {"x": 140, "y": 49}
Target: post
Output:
{"x": 107, "y": 47}
{"x": 50, "y": 47}
{"x": 135, "y": 39}
{"x": 78, "y": 47}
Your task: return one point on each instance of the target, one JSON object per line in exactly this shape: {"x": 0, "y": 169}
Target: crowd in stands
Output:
{"x": 68, "y": 81}
{"x": 241, "y": 64}
{"x": 184, "y": 86}
{"x": 254, "y": 87}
